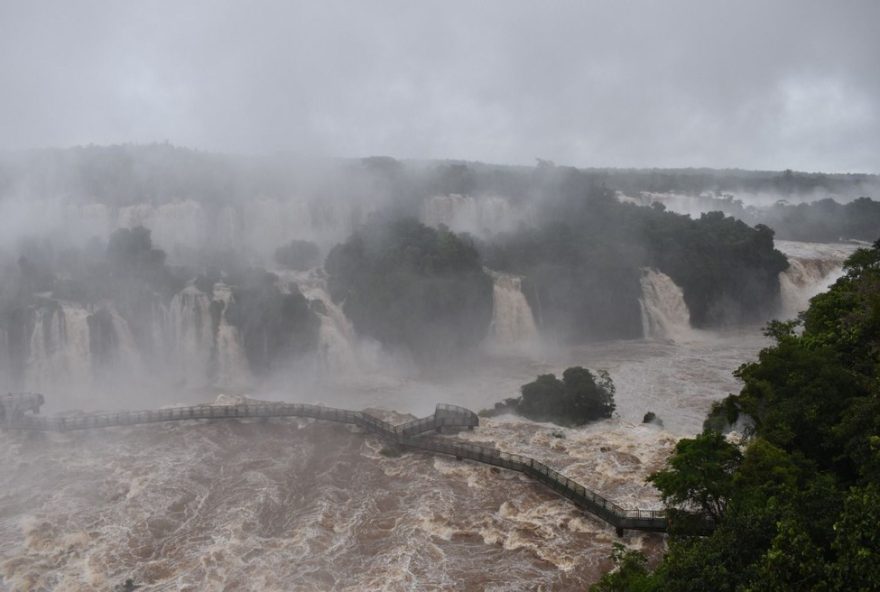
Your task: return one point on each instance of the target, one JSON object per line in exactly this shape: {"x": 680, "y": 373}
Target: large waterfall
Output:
{"x": 192, "y": 335}
{"x": 512, "y": 319}
{"x": 68, "y": 345}
{"x": 337, "y": 345}
{"x": 207, "y": 348}
{"x": 231, "y": 367}
{"x": 58, "y": 348}
{"x": 813, "y": 267}
{"x": 665, "y": 314}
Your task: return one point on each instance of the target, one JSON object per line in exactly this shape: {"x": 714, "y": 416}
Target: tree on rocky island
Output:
{"x": 579, "y": 398}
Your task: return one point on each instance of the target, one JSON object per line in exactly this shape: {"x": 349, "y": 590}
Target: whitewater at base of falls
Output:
{"x": 305, "y": 505}
{"x": 296, "y": 504}
{"x": 512, "y": 320}
{"x": 665, "y": 314}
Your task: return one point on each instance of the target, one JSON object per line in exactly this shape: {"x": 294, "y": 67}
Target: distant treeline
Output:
{"x": 823, "y": 220}
{"x": 128, "y": 174}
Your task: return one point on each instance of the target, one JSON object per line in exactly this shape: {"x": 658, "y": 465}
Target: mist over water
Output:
{"x": 336, "y": 233}
{"x": 208, "y": 506}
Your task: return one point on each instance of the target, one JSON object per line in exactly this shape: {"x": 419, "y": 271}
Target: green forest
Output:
{"x": 796, "y": 506}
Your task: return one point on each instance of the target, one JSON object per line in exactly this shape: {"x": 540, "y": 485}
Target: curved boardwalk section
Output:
{"x": 15, "y": 414}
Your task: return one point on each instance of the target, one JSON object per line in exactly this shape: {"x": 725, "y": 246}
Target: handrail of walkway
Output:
{"x": 407, "y": 435}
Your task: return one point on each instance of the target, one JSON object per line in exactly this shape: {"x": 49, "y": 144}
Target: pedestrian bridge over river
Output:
{"x": 17, "y": 413}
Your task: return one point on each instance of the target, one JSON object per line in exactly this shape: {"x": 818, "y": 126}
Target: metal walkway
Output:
{"x": 14, "y": 415}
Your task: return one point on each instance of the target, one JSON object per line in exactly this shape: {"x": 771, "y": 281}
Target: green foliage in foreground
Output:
{"x": 798, "y": 506}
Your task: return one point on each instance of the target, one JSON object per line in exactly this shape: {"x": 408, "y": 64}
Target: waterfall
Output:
{"x": 127, "y": 356}
{"x": 231, "y": 364}
{"x": 6, "y": 380}
{"x": 813, "y": 267}
{"x": 59, "y": 349}
{"x": 70, "y": 345}
{"x": 804, "y": 279}
{"x": 191, "y": 334}
{"x": 512, "y": 319}
{"x": 114, "y": 353}
{"x": 665, "y": 314}
{"x": 337, "y": 352}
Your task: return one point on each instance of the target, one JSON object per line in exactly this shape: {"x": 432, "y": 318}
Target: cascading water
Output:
{"x": 126, "y": 346}
{"x": 59, "y": 348}
{"x": 813, "y": 267}
{"x": 804, "y": 279}
{"x": 191, "y": 334}
{"x": 512, "y": 319}
{"x": 114, "y": 353}
{"x": 231, "y": 365}
{"x": 337, "y": 353}
{"x": 665, "y": 314}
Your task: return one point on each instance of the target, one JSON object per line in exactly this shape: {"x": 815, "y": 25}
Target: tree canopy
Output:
{"x": 797, "y": 507}
{"x": 413, "y": 287}
{"x": 579, "y": 398}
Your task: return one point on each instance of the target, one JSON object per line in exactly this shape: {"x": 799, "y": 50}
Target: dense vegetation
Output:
{"x": 797, "y": 506}
{"x": 823, "y": 220}
{"x": 579, "y": 398}
{"x": 276, "y": 327}
{"x": 582, "y": 262}
{"x": 413, "y": 287}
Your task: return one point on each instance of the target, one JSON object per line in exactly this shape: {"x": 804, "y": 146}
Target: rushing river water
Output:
{"x": 303, "y": 505}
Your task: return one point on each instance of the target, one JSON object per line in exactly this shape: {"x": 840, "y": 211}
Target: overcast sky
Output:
{"x": 752, "y": 84}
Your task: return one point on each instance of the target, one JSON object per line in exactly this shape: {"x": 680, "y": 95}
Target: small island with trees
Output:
{"x": 579, "y": 398}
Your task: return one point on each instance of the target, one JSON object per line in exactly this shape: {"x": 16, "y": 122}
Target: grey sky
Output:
{"x": 753, "y": 84}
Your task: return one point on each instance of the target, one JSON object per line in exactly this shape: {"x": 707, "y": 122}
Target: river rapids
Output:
{"x": 297, "y": 504}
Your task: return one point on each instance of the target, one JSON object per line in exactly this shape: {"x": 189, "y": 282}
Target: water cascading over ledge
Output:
{"x": 804, "y": 279}
{"x": 512, "y": 320}
{"x": 231, "y": 367}
{"x": 54, "y": 343}
{"x": 337, "y": 341}
{"x": 665, "y": 314}
{"x": 813, "y": 268}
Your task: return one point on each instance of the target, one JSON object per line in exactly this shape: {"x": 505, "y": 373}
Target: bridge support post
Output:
{"x": 619, "y": 531}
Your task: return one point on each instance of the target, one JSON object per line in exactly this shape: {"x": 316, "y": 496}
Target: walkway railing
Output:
{"x": 405, "y": 435}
